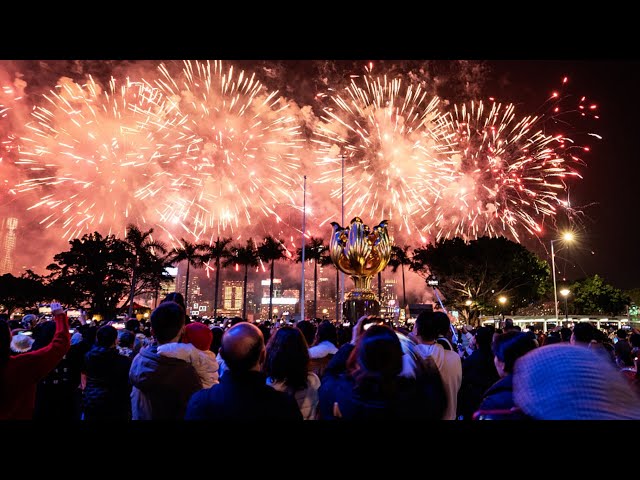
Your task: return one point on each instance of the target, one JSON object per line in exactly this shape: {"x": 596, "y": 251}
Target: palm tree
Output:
{"x": 217, "y": 250}
{"x": 142, "y": 248}
{"x": 314, "y": 250}
{"x": 400, "y": 258}
{"x": 247, "y": 256}
{"x": 191, "y": 252}
{"x": 271, "y": 250}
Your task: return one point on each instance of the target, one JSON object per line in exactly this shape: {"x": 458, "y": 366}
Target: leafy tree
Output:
{"x": 314, "y": 250}
{"x": 143, "y": 261}
{"x": 271, "y": 250}
{"x": 20, "y": 292}
{"x": 92, "y": 272}
{"x": 482, "y": 270}
{"x": 248, "y": 257}
{"x": 218, "y": 250}
{"x": 593, "y": 296}
{"x": 400, "y": 258}
{"x": 192, "y": 254}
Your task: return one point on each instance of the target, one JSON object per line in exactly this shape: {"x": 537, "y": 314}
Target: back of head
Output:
{"x": 621, "y": 334}
{"x": 584, "y": 332}
{"x": 242, "y": 347}
{"x": 167, "y": 321}
{"x": 379, "y": 353}
{"x": 567, "y": 382}
{"x": 106, "y": 336}
{"x": 484, "y": 337}
{"x": 552, "y": 338}
{"x": 308, "y": 329}
{"x": 510, "y": 346}
{"x": 216, "y": 339}
{"x": 43, "y": 334}
{"x": 427, "y": 325}
{"x": 288, "y": 358}
{"x": 133, "y": 325}
{"x": 443, "y": 324}
{"x": 565, "y": 334}
{"x": 177, "y": 298}
{"x": 235, "y": 321}
{"x": 635, "y": 340}
{"x": 126, "y": 339}
{"x": 327, "y": 332}
{"x": 199, "y": 335}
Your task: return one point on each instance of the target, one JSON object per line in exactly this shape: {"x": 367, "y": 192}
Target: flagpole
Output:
{"x": 339, "y": 314}
{"x": 304, "y": 221}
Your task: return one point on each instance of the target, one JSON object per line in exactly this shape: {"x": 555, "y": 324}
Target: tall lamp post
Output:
{"x": 565, "y": 293}
{"x": 567, "y": 237}
{"x": 503, "y": 302}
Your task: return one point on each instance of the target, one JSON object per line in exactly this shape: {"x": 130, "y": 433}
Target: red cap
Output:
{"x": 199, "y": 335}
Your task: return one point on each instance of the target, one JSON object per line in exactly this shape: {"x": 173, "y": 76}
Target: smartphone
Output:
{"x": 26, "y": 333}
{"x": 72, "y": 330}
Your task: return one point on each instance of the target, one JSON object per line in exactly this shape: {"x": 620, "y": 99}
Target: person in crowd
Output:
{"x": 326, "y": 339}
{"x": 582, "y": 334}
{"x": 507, "y": 348}
{"x": 216, "y": 339}
{"x": 126, "y": 342}
{"x": 445, "y": 334}
{"x": 266, "y": 332}
{"x": 425, "y": 332}
{"x": 162, "y": 385}
{"x": 194, "y": 349}
{"x": 565, "y": 334}
{"x": 564, "y": 382}
{"x": 21, "y": 343}
{"x": 478, "y": 374}
{"x": 622, "y": 349}
{"x": 368, "y": 384}
{"x": 106, "y": 395}
{"x": 19, "y": 375}
{"x": 176, "y": 297}
{"x": 243, "y": 393}
{"x": 634, "y": 340}
{"x": 308, "y": 329}
{"x": 133, "y": 326}
{"x": 58, "y": 395}
{"x": 287, "y": 369}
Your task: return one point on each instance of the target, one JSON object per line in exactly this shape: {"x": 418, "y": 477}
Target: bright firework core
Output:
{"x": 203, "y": 149}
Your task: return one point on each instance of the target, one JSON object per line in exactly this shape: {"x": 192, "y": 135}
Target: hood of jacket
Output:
{"x": 150, "y": 369}
{"x": 435, "y": 351}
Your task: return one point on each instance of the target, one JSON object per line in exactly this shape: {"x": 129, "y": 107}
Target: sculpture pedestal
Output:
{"x": 358, "y": 303}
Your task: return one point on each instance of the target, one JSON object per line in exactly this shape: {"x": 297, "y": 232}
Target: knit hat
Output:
{"x": 21, "y": 343}
{"x": 570, "y": 382}
{"x": 28, "y": 320}
{"x": 199, "y": 335}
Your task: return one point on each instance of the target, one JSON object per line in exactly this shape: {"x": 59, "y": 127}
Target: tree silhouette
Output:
{"x": 400, "y": 258}
{"x": 271, "y": 250}
{"x": 314, "y": 250}
{"x": 248, "y": 257}
{"x": 192, "y": 254}
{"x": 217, "y": 250}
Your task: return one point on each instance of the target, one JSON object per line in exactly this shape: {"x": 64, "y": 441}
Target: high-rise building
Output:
{"x": 8, "y": 230}
{"x": 232, "y": 295}
{"x": 285, "y": 303}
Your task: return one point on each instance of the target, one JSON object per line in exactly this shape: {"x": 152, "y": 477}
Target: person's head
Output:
{"x": 583, "y": 333}
{"x": 199, "y": 335}
{"x": 126, "y": 339}
{"x": 288, "y": 358}
{"x": 552, "y": 338}
{"x": 634, "y": 338}
{"x": 132, "y": 325}
{"x": 508, "y": 347}
{"x": 426, "y": 326}
{"x": 565, "y": 382}
{"x": 235, "y": 321}
{"x": 484, "y": 336}
{"x": 43, "y": 334}
{"x": 243, "y": 348}
{"x": 565, "y": 334}
{"x": 216, "y": 339}
{"x": 266, "y": 333}
{"x": 443, "y": 324}
{"x": 378, "y": 357}
{"x": 177, "y": 298}
{"x": 28, "y": 321}
{"x": 106, "y": 336}
{"x": 167, "y": 322}
{"x": 327, "y": 332}
{"x": 621, "y": 334}
{"x": 308, "y": 329}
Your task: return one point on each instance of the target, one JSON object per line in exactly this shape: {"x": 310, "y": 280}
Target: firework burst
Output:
{"x": 393, "y": 144}
{"x": 232, "y": 152}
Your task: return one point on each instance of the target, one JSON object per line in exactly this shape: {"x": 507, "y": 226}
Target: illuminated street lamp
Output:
{"x": 565, "y": 293}
{"x": 502, "y": 300}
{"x": 566, "y": 237}
{"x": 468, "y": 302}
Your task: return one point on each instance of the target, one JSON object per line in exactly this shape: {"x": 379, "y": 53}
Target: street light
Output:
{"x": 565, "y": 293}
{"x": 502, "y": 300}
{"x": 567, "y": 237}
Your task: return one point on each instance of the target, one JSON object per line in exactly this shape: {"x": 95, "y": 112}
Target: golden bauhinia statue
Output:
{"x": 360, "y": 252}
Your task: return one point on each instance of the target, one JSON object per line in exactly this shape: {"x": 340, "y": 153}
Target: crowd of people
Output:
{"x": 172, "y": 368}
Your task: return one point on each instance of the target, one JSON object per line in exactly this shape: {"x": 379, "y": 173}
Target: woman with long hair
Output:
{"x": 287, "y": 369}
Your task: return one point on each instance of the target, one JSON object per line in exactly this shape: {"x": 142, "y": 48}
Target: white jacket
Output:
{"x": 204, "y": 362}
{"x": 307, "y": 399}
{"x": 450, "y": 367}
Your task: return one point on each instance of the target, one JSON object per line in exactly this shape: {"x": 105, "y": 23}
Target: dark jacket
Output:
{"x": 106, "y": 395}
{"x": 162, "y": 386}
{"x": 478, "y": 374}
{"x": 499, "y": 396}
{"x": 420, "y": 398}
{"x": 242, "y": 396}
